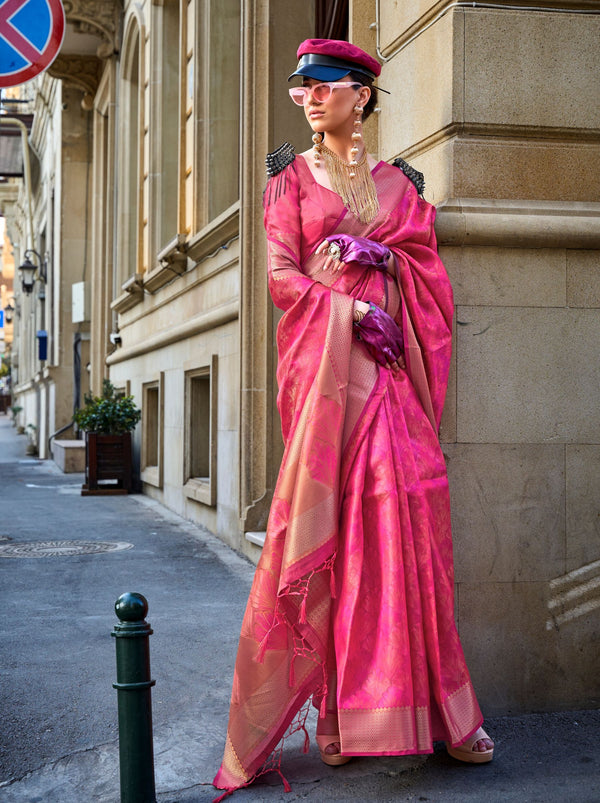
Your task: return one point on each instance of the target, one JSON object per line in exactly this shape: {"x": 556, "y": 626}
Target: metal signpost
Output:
{"x": 31, "y": 35}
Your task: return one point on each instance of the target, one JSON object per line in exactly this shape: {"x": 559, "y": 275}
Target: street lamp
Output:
{"x": 28, "y": 271}
{"x": 8, "y": 312}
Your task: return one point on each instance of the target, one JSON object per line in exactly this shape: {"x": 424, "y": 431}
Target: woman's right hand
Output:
{"x": 333, "y": 263}
{"x": 345, "y": 248}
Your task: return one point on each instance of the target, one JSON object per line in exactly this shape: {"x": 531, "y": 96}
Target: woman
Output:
{"x": 352, "y": 601}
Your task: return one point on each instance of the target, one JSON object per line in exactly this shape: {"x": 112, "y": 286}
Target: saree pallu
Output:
{"x": 352, "y": 599}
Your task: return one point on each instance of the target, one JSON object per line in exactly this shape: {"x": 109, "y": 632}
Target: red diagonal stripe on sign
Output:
{"x": 10, "y": 33}
{"x": 9, "y": 8}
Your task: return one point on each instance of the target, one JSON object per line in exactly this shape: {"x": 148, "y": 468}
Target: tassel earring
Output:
{"x": 356, "y": 138}
{"x": 352, "y": 180}
{"x": 317, "y": 139}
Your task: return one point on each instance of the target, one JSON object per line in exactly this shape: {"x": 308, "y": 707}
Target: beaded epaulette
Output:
{"x": 277, "y": 160}
{"x": 418, "y": 179}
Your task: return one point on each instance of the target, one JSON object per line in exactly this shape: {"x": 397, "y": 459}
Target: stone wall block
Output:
{"x": 201, "y": 514}
{"x": 228, "y": 470}
{"x": 437, "y": 165}
{"x": 506, "y": 277}
{"x": 228, "y": 522}
{"x": 495, "y": 167}
{"x": 508, "y": 511}
{"x": 73, "y": 223}
{"x": 173, "y": 455}
{"x": 518, "y": 660}
{"x": 528, "y": 375}
{"x": 583, "y": 278}
{"x": 397, "y": 18}
{"x": 422, "y": 101}
{"x": 173, "y": 392}
{"x": 228, "y": 391}
{"x": 521, "y": 69}
{"x": 583, "y": 505}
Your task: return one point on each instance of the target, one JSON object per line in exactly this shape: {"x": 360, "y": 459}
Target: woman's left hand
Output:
{"x": 333, "y": 261}
{"x": 382, "y": 338}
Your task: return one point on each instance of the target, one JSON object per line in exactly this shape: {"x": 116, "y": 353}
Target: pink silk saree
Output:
{"x": 352, "y": 600}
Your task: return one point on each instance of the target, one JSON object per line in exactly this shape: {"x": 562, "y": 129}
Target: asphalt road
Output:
{"x": 58, "y": 734}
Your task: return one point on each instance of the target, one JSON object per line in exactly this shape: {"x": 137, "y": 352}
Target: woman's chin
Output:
{"x": 317, "y": 123}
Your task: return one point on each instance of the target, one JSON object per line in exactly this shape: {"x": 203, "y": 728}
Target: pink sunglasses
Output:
{"x": 320, "y": 92}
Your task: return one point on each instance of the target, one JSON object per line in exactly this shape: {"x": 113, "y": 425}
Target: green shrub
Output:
{"x": 108, "y": 414}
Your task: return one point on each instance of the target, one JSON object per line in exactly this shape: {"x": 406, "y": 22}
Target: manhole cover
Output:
{"x": 51, "y": 549}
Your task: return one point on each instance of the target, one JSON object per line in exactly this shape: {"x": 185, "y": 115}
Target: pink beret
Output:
{"x": 321, "y": 58}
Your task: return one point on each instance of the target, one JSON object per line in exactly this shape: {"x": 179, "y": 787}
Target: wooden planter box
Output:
{"x": 107, "y": 464}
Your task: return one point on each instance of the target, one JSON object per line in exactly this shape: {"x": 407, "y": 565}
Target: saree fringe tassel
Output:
{"x": 273, "y": 762}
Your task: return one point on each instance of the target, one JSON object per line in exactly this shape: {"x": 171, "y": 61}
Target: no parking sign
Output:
{"x": 31, "y": 35}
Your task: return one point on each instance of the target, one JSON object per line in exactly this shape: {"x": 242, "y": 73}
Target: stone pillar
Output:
{"x": 103, "y": 224}
{"x": 501, "y": 111}
{"x": 74, "y": 207}
{"x": 268, "y": 119}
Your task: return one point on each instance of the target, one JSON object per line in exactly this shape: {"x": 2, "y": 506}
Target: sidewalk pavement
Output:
{"x": 58, "y": 738}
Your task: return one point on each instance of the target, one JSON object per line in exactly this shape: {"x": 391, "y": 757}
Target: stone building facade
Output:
{"x": 48, "y": 224}
{"x": 162, "y": 113}
{"x": 7, "y": 305}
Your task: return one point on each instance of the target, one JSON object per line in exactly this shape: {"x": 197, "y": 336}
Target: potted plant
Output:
{"x": 31, "y": 448}
{"x": 107, "y": 421}
{"x": 14, "y": 411}
{"x": 5, "y": 383}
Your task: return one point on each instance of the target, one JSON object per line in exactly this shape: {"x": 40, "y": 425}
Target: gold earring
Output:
{"x": 356, "y": 138}
{"x": 317, "y": 139}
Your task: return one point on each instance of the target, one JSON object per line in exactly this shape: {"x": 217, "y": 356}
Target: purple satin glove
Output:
{"x": 381, "y": 335}
{"x": 361, "y": 250}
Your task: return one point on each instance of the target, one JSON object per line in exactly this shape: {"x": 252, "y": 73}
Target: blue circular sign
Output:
{"x": 31, "y": 35}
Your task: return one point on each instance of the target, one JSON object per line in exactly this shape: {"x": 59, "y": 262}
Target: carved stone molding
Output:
{"x": 98, "y": 18}
{"x": 386, "y": 50}
{"x": 80, "y": 72}
{"x": 133, "y": 293}
{"x": 203, "y": 322}
{"x": 518, "y": 224}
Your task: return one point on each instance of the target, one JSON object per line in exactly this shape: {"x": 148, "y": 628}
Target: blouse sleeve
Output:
{"x": 310, "y": 308}
{"x": 281, "y": 201}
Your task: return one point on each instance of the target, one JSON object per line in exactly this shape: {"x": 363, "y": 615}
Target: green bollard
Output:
{"x": 136, "y": 754}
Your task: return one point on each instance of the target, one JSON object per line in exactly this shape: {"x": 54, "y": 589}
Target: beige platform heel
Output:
{"x": 332, "y": 759}
{"x": 465, "y": 752}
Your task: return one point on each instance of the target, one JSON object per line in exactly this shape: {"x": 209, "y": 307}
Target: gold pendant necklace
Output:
{"x": 353, "y": 183}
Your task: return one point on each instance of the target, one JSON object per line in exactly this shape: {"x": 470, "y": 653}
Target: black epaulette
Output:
{"x": 418, "y": 179}
{"x": 282, "y": 157}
